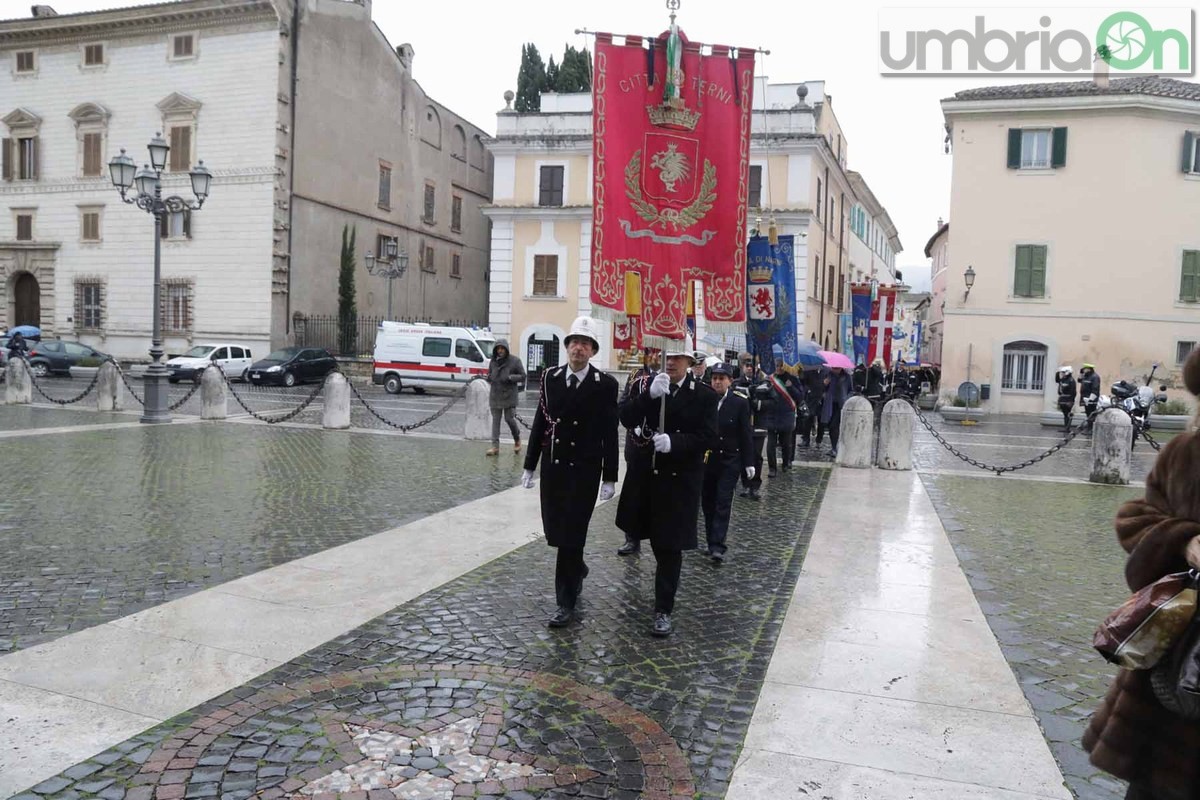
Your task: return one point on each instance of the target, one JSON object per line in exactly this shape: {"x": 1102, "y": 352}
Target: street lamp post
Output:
{"x": 148, "y": 182}
{"x": 390, "y": 264}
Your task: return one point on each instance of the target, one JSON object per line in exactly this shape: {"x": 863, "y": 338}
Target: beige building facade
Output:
{"x": 1077, "y": 207}
{"x": 541, "y": 216}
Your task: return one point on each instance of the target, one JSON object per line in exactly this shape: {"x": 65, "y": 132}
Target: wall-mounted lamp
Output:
{"x": 969, "y": 280}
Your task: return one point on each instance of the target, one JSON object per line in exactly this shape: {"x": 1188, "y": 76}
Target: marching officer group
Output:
{"x": 690, "y": 438}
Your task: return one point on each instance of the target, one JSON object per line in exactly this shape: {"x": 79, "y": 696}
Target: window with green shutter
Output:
{"x": 1029, "y": 277}
{"x": 1189, "y": 281}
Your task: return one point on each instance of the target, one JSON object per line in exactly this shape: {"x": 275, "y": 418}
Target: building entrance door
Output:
{"x": 541, "y": 355}
{"x": 27, "y": 297}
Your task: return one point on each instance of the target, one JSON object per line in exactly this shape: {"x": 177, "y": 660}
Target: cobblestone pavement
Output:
{"x": 95, "y": 525}
{"x": 405, "y": 408}
{"x": 1011, "y": 440}
{"x": 1046, "y": 568}
{"x": 465, "y": 693}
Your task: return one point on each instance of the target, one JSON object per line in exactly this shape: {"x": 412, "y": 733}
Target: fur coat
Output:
{"x": 1132, "y": 736}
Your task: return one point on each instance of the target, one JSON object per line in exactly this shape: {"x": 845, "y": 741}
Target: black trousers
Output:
{"x": 716, "y": 499}
{"x": 1090, "y": 410}
{"x": 805, "y": 428}
{"x": 569, "y": 572}
{"x": 1137, "y": 792}
{"x": 668, "y": 564}
{"x": 785, "y": 437}
{"x": 1066, "y": 412}
{"x": 834, "y": 426}
{"x": 755, "y": 483}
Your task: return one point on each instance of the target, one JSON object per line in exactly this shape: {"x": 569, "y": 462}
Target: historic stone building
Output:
{"x": 301, "y": 140}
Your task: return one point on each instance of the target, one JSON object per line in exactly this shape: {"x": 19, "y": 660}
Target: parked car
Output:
{"x": 56, "y": 357}
{"x": 234, "y": 360}
{"x": 293, "y": 365}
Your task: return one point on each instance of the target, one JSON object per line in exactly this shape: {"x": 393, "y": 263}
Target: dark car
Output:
{"x": 56, "y": 357}
{"x": 292, "y": 365}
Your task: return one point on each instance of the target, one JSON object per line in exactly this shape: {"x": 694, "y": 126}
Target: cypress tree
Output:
{"x": 347, "y": 308}
{"x": 553, "y": 74}
{"x": 531, "y": 79}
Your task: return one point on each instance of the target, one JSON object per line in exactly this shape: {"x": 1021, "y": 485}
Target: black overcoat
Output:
{"x": 574, "y": 435}
{"x": 660, "y": 498}
{"x": 736, "y": 437}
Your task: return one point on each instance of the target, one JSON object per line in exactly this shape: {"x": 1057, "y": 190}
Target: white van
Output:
{"x": 234, "y": 360}
{"x": 423, "y": 356}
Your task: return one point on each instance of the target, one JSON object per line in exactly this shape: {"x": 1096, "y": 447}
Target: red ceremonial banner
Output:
{"x": 883, "y": 322}
{"x": 671, "y": 171}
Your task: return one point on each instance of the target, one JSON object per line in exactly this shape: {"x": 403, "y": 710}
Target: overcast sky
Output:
{"x": 467, "y": 54}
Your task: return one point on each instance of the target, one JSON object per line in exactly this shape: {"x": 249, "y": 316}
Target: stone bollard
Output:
{"x": 896, "y": 436}
{"x": 18, "y": 383}
{"x": 108, "y": 388}
{"x": 858, "y": 430}
{"x": 337, "y": 402}
{"x": 479, "y": 413}
{"x": 1112, "y": 445}
{"x": 214, "y": 399}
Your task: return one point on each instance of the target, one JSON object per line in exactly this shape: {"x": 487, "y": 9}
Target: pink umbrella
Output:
{"x": 837, "y": 360}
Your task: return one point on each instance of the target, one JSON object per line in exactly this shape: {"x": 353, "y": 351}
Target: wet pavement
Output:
{"x": 464, "y": 692}
{"x": 103, "y": 523}
{"x": 1045, "y": 566}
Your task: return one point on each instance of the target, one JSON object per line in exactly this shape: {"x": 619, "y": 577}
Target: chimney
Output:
{"x": 406, "y": 53}
{"x": 41, "y": 12}
{"x": 1100, "y": 71}
{"x": 941, "y": 222}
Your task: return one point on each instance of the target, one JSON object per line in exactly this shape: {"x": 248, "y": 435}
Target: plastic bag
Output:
{"x": 1148, "y": 624}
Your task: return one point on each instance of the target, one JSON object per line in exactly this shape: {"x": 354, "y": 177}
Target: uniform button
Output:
{"x": 572, "y": 444}
{"x": 576, "y": 422}
{"x": 558, "y": 441}
{"x": 556, "y": 461}
{"x": 674, "y": 474}
{"x": 572, "y": 463}
{"x": 655, "y": 472}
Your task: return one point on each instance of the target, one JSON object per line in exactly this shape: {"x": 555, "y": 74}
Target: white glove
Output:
{"x": 527, "y": 479}
{"x": 660, "y": 385}
{"x": 749, "y": 473}
{"x": 607, "y": 490}
{"x": 662, "y": 443}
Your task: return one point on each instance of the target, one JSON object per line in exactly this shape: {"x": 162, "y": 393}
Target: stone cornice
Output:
{"x": 952, "y": 108}
{"x": 538, "y": 212}
{"x": 31, "y": 246}
{"x": 140, "y": 20}
{"x": 172, "y": 184}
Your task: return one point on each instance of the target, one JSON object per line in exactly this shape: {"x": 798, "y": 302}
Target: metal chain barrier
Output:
{"x": 191, "y": 392}
{"x": 421, "y": 423}
{"x": 128, "y": 385}
{"x": 1154, "y": 443}
{"x": 67, "y": 402}
{"x": 297, "y": 411}
{"x": 999, "y": 469}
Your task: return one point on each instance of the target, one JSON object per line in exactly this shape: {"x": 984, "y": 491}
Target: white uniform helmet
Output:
{"x": 587, "y": 328}
{"x": 677, "y": 350}
{"x": 1065, "y": 370}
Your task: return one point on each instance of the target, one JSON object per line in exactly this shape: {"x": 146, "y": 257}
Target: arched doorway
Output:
{"x": 27, "y": 301}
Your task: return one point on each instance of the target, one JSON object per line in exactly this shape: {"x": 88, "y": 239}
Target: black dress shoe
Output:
{"x": 744, "y": 493}
{"x": 562, "y": 617}
{"x": 772, "y": 473}
{"x": 662, "y": 625}
{"x": 630, "y": 547}
{"x": 754, "y": 495}
{"x": 718, "y": 556}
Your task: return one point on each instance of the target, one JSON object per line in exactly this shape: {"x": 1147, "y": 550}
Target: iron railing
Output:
{"x": 353, "y": 337}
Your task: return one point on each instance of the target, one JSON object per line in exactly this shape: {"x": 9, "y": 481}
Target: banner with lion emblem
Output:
{"x": 671, "y": 121}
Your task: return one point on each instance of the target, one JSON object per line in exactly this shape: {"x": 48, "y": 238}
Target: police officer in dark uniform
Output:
{"x": 651, "y": 363}
{"x": 660, "y": 500}
{"x": 734, "y": 456}
{"x": 574, "y": 435}
{"x": 753, "y": 386}
{"x": 1089, "y": 393}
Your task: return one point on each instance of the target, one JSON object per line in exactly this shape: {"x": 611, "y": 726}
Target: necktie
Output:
{"x": 674, "y": 389}
{"x": 572, "y": 381}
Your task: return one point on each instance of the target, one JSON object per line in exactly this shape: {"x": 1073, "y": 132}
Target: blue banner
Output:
{"x": 771, "y": 300}
{"x": 847, "y": 349}
{"x": 861, "y": 306}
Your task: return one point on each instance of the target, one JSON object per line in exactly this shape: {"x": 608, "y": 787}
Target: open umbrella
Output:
{"x": 28, "y": 331}
{"x": 837, "y": 360}
{"x": 809, "y": 354}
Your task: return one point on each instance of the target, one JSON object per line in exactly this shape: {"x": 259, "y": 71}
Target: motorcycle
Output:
{"x": 1136, "y": 401}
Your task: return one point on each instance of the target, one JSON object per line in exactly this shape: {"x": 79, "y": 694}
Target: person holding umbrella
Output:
{"x": 674, "y": 417}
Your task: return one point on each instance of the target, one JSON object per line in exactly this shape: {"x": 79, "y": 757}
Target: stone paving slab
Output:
{"x": 885, "y": 669}
{"x": 465, "y": 692}
{"x": 26, "y": 417}
{"x": 112, "y": 522}
{"x": 1044, "y": 562}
